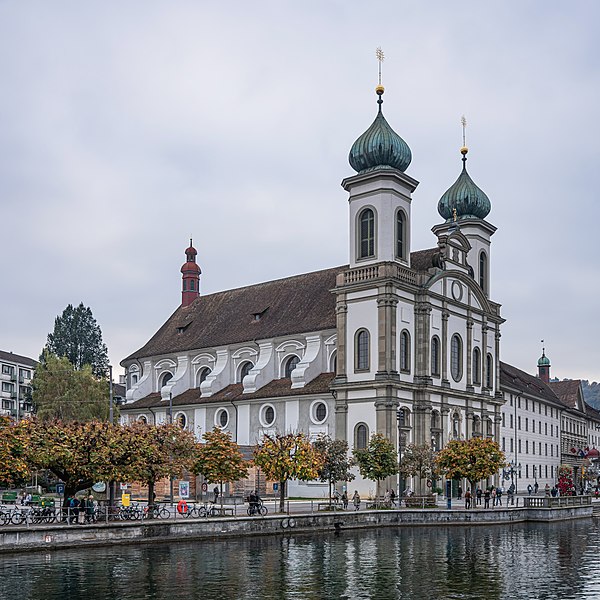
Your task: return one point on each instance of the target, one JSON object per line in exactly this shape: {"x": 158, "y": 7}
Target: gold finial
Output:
{"x": 454, "y": 215}
{"x": 380, "y": 57}
{"x": 463, "y": 122}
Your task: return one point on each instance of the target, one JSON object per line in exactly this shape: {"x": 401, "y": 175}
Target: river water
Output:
{"x": 558, "y": 561}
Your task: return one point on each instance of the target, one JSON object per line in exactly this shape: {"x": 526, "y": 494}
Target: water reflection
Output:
{"x": 513, "y": 561}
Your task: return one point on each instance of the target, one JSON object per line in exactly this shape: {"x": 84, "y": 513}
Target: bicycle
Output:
{"x": 19, "y": 516}
{"x": 45, "y": 514}
{"x": 156, "y": 511}
{"x": 257, "y": 509}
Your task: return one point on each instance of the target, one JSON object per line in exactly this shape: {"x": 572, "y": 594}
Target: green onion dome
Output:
{"x": 379, "y": 147}
{"x": 543, "y": 361}
{"x": 469, "y": 201}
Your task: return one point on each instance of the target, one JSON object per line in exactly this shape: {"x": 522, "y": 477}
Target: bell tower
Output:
{"x": 190, "y": 285}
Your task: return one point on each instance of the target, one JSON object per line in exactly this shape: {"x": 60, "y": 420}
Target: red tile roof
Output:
{"x": 568, "y": 392}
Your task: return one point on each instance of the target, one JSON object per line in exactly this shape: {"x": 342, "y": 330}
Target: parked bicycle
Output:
{"x": 257, "y": 508}
{"x": 156, "y": 511}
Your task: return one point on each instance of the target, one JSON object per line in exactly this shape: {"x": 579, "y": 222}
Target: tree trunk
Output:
{"x": 282, "y": 496}
{"x": 150, "y": 499}
{"x": 71, "y": 488}
{"x": 221, "y": 495}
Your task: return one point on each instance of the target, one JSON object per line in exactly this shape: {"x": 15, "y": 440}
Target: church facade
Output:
{"x": 401, "y": 342}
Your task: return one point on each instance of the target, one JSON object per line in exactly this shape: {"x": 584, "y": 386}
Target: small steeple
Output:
{"x": 190, "y": 285}
{"x": 544, "y": 366}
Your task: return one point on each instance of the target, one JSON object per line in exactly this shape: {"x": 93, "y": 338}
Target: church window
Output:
{"x": 489, "y": 372}
{"x": 476, "y": 366}
{"x": 400, "y": 235}
{"x": 181, "y": 420}
{"x": 165, "y": 379}
{"x": 361, "y": 436}
{"x": 185, "y": 285}
{"x": 366, "y": 232}
{"x": 143, "y": 419}
{"x": 290, "y": 365}
{"x": 202, "y": 375}
{"x": 191, "y": 285}
{"x": 456, "y": 357}
{"x": 435, "y": 356}
{"x": 319, "y": 412}
{"x": 267, "y": 415}
{"x": 483, "y": 271}
{"x": 405, "y": 351}
{"x": 244, "y": 370}
{"x": 403, "y": 417}
{"x": 362, "y": 350}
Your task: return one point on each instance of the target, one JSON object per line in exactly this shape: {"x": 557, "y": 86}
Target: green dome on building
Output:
{"x": 543, "y": 361}
{"x": 469, "y": 201}
{"x": 379, "y": 147}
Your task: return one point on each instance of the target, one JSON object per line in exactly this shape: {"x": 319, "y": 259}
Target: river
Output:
{"x": 556, "y": 561}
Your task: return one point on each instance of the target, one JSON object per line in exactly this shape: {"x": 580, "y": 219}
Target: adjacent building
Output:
{"x": 16, "y": 373}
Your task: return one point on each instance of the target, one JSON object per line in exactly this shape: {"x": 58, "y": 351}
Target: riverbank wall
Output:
{"x": 54, "y": 537}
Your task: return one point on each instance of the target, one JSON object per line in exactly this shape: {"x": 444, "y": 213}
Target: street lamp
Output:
{"x": 513, "y": 469}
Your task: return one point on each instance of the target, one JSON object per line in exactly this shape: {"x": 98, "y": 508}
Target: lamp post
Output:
{"x": 514, "y": 468}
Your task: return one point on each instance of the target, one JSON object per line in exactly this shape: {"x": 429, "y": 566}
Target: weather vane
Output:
{"x": 380, "y": 56}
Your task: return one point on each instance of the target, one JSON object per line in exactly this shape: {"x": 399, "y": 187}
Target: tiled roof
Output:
{"x": 422, "y": 260}
{"x": 512, "y": 377}
{"x": 592, "y": 412}
{"x": 17, "y": 358}
{"x": 567, "y": 391}
{"x": 298, "y": 304}
{"x": 278, "y": 388}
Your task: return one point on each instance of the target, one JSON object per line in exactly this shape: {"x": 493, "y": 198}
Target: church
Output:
{"x": 398, "y": 341}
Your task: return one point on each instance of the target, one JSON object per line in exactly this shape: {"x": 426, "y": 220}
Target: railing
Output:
{"x": 558, "y": 502}
{"x": 373, "y": 272}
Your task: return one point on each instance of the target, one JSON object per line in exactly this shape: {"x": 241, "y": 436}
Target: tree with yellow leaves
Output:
{"x": 285, "y": 457}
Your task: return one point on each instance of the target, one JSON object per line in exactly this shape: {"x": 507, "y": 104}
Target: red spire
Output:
{"x": 190, "y": 289}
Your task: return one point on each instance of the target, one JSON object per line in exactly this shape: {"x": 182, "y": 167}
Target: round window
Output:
{"x": 181, "y": 420}
{"x": 223, "y": 418}
{"x": 268, "y": 416}
{"x": 319, "y": 412}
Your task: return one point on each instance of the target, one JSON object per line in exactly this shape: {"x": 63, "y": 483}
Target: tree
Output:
{"x": 13, "y": 443}
{"x": 78, "y": 337}
{"x": 285, "y": 457}
{"x": 79, "y": 454}
{"x": 336, "y": 462}
{"x": 63, "y": 393}
{"x": 378, "y": 460}
{"x": 219, "y": 459}
{"x": 474, "y": 459}
{"x": 160, "y": 451}
{"x": 418, "y": 461}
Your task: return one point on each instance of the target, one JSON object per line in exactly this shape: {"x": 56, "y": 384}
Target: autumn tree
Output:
{"x": 219, "y": 459}
{"x": 473, "y": 459}
{"x": 161, "y": 451}
{"x": 378, "y": 460}
{"x": 418, "y": 460}
{"x": 336, "y": 463}
{"x": 79, "y": 454}
{"x": 62, "y": 392}
{"x": 78, "y": 337}
{"x": 285, "y": 457}
{"x": 13, "y": 444}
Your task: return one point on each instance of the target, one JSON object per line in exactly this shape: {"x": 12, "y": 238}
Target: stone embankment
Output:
{"x": 52, "y": 537}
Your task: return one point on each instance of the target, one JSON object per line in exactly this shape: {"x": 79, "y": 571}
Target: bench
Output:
{"x": 9, "y": 498}
{"x": 420, "y": 501}
{"x": 223, "y": 512}
{"x": 327, "y": 506}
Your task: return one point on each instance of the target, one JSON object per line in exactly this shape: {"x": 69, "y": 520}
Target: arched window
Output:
{"x": 134, "y": 379}
{"x": 403, "y": 417}
{"x": 244, "y": 370}
{"x": 181, "y": 420}
{"x": 290, "y": 365}
{"x": 143, "y": 419}
{"x": 405, "y": 351}
{"x": 456, "y": 426}
{"x": 483, "y": 271}
{"x": 476, "y": 366}
{"x": 202, "y": 375}
{"x": 192, "y": 285}
{"x": 435, "y": 419}
{"x": 361, "y": 436}
{"x": 366, "y": 233}
{"x": 185, "y": 285}
{"x": 489, "y": 371}
{"x": 361, "y": 350}
{"x": 435, "y": 356}
{"x": 476, "y": 426}
{"x": 400, "y": 234}
{"x": 165, "y": 379}
{"x": 456, "y": 357}
{"x": 333, "y": 361}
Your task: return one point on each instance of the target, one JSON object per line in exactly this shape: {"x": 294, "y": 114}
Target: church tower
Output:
{"x": 544, "y": 367}
{"x": 190, "y": 286}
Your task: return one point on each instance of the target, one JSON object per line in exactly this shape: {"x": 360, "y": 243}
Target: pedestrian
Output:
{"x": 529, "y": 489}
{"x": 478, "y": 494}
{"x": 89, "y": 509}
{"x": 468, "y": 498}
{"x": 387, "y": 499}
{"x": 356, "y": 500}
{"x": 536, "y": 487}
{"x": 510, "y": 495}
{"x": 459, "y": 492}
{"x": 493, "y": 496}
{"x": 486, "y": 498}
{"x": 345, "y": 500}
{"x": 216, "y": 493}
{"x": 499, "y": 496}
{"x": 393, "y": 497}
{"x": 547, "y": 490}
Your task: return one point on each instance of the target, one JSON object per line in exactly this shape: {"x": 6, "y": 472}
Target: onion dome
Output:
{"x": 543, "y": 361}
{"x": 464, "y": 197}
{"x": 379, "y": 147}
{"x": 190, "y": 264}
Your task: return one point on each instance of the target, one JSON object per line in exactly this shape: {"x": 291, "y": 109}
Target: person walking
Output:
{"x": 536, "y": 487}
{"x": 510, "y": 495}
{"x": 547, "y": 490}
{"x": 499, "y": 496}
{"x": 493, "y": 495}
{"x": 393, "y": 497}
{"x": 345, "y": 500}
{"x": 529, "y": 489}
{"x": 468, "y": 498}
{"x": 356, "y": 500}
{"x": 478, "y": 494}
{"x": 216, "y": 493}
{"x": 486, "y": 498}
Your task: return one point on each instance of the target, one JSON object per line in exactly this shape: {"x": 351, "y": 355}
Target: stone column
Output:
{"x": 422, "y": 341}
{"x": 386, "y": 408}
{"x": 341, "y": 312}
{"x": 341, "y": 417}
{"x": 386, "y": 331}
{"x": 469, "y": 353}
{"x": 445, "y": 316}
{"x": 484, "y": 353}
{"x": 497, "y": 336}
{"x": 421, "y": 428}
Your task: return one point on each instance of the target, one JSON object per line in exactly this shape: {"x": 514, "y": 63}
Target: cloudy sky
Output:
{"x": 126, "y": 127}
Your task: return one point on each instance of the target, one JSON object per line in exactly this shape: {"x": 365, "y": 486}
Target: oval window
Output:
{"x": 268, "y": 416}
{"x": 320, "y": 412}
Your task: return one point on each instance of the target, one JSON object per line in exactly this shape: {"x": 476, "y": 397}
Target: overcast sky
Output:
{"x": 126, "y": 127}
